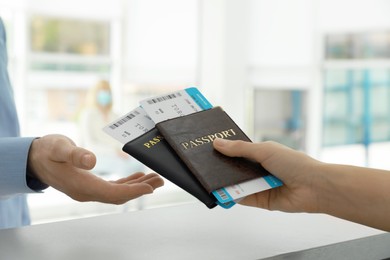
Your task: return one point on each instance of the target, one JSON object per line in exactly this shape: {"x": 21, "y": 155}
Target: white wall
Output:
{"x": 281, "y": 33}
{"x": 281, "y": 43}
{"x": 224, "y": 53}
{"x": 73, "y": 8}
{"x": 161, "y": 41}
{"x": 350, "y": 15}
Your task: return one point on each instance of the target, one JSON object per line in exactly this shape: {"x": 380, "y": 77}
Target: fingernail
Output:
{"x": 87, "y": 160}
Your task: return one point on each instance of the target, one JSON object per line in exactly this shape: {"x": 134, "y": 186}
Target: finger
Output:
{"x": 259, "y": 200}
{"x": 236, "y": 148}
{"x": 66, "y": 151}
{"x": 124, "y": 192}
{"x": 152, "y": 179}
{"x": 134, "y": 178}
{"x": 259, "y": 152}
{"x": 155, "y": 181}
{"x": 88, "y": 187}
{"x": 129, "y": 178}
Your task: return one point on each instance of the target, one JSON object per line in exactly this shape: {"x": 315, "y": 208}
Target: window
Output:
{"x": 357, "y": 91}
{"x": 71, "y": 36}
{"x": 77, "y": 50}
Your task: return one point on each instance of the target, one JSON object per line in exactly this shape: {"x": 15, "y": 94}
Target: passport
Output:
{"x": 191, "y": 137}
{"x": 152, "y": 150}
{"x": 139, "y": 131}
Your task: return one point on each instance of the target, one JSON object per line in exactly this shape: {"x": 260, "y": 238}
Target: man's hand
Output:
{"x": 58, "y": 162}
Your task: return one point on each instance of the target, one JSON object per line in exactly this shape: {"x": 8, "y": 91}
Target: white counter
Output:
{"x": 194, "y": 232}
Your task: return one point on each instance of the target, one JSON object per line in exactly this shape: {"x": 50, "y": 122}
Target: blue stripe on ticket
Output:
{"x": 226, "y": 205}
{"x": 199, "y": 99}
{"x": 273, "y": 181}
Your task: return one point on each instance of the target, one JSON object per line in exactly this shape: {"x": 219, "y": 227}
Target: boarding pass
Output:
{"x": 154, "y": 110}
{"x": 179, "y": 103}
{"x": 238, "y": 191}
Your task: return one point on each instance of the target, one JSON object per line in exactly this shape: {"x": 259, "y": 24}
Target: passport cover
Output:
{"x": 152, "y": 150}
{"x": 191, "y": 137}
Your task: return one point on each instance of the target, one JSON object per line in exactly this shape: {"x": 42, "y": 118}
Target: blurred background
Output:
{"x": 311, "y": 74}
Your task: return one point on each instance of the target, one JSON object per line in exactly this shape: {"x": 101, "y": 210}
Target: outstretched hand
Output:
{"x": 58, "y": 162}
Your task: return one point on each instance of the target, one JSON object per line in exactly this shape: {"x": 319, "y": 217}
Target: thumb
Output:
{"x": 64, "y": 150}
{"x": 236, "y": 148}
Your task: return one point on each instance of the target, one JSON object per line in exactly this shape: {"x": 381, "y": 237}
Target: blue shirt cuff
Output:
{"x": 13, "y": 165}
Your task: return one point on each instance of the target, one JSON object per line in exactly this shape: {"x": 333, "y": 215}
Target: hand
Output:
{"x": 296, "y": 170}
{"x": 58, "y": 162}
{"x": 357, "y": 194}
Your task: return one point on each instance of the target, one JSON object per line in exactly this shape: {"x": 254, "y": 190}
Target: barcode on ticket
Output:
{"x": 172, "y": 105}
{"x": 124, "y": 119}
{"x": 222, "y": 196}
{"x": 130, "y": 126}
{"x": 163, "y": 98}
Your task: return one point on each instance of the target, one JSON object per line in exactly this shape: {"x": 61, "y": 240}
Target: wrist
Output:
{"x": 315, "y": 183}
{"x": 34, "y": 183}
{"x": 32, "y": 179}
{"x": 324, "y": 188}
{"x": 338, "y": 189}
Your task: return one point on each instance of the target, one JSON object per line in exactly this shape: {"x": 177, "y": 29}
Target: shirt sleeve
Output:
{"x": 13, "y": 165}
